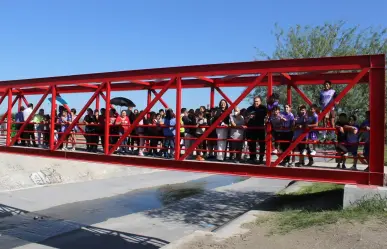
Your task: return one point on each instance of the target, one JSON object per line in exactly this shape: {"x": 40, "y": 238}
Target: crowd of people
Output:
{"x": 235, "y": 138}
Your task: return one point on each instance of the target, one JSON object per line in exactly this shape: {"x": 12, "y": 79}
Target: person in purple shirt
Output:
{"x": 276, "y": 120}
{"x": 313, "y": 135}
{"x": 287, "y": 118}
{"x": 272, "y": 102}
{"x": 327, "y": 95}
{"x": 19, "y": 119}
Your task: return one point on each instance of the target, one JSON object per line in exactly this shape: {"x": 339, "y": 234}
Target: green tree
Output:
{"x": 329, "y": 39}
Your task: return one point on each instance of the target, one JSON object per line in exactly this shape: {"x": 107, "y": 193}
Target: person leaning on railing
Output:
{"x": 256, "y": 115}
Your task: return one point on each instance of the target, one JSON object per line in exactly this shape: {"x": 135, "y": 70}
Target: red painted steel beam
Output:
{"x": 298, "y": 90}
{"x": 103, "y": 95}
{"x": 138, "y": 82}
{"x": 19, "y": 103}
{"x": 141, "y": 116}
{"x": 223, "y": 116}
{"x": 4, "y": 96}
{"x": 322, "y": 114}
{"x": 161, "y": 100}
{"x": 19, "y": 132}
{"x": 287, "y": 65}
{"x": 268, "y": 126}
{"x": 149, "y": 97}
{"x": 337, "y": 78}
{"x": 212, "y": 97}
{"x": 301, "y": 174}
{"x": 25, "y": 100}
{"x": 89, "y": 86}
{"x": 52, "y": 121}
{"x": 9, "y": 117}
{"x": 206, "y": 79}
{"x": 76, "y": 120}
{"x": 178, "y": 115}
{"x": 97, "y": 102}
{"x": 223, "y": 95}
{"x": 377, "y": 113}
{"x": 107, "y": 118}
{"x": 6, "y": 113}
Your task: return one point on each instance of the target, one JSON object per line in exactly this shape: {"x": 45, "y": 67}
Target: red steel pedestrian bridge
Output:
{"x": 348, "y": 71}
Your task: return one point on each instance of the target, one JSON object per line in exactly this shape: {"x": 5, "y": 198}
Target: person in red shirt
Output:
{"x": 123, "y": 123}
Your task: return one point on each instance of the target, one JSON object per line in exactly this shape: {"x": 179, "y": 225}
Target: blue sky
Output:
{"x": 51, "y": 38}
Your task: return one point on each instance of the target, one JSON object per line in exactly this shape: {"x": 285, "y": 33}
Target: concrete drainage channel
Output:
{"x": 149, "y": 217}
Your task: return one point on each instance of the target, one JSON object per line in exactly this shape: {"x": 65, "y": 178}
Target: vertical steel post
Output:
{"x": 97, "y": 102}
{"x": 52, "y": 120}
{"x": 212, "y": 97}
{"x": 377, "y": 119}
{"x": 268, "y": 127}
{"x": 19, "y": 103}
{"x": 107, "y": 118}
{"x": 289, "y": 94}
{"x": 178, "y": 115}
{"x": 9, "y": 118}
{"x": 149, "y": 97}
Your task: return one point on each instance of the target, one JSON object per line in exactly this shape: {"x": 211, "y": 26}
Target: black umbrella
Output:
{"x": 121, "y": 101}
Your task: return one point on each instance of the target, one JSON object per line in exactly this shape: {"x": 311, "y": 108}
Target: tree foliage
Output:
{"x": 329, "y": 39}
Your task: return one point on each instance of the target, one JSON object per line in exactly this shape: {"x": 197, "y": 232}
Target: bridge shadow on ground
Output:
{"x": 209, "y": 209}
{"x": 19, "y": 227}
{"x": 316, "y": 202}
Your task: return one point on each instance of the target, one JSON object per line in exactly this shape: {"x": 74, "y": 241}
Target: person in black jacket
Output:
{"x": 189, "y": 120}
{"x": 256, "y": 115}
{"x": 222, "y": 133}
{"x": 212, "y": 144}
{"x": 91, "y": 128}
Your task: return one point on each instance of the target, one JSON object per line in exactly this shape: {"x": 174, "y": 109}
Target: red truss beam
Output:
{"x": 240, "y": 68}
{"x": 377, "y": 113}
{"x": 321, "y": 115}
{"x": 304, "y": 79}
{"x": 291, "y": 83}
{"x": 161, "y": 100}
{"x": 12, "y": 105}
{"x": 223, "y": 116}
{"x": 107, "y": 117}
{"x": 24, "y": 100}
{"x": 141, "y": 116}
{"x": 52, "y": 120}
{"x": 89, "y": 86}
{"x": 5, "y": 94}
{"x": 178, "y": 115}
{"x": 16, "y": 137}
{"x": 223, "y": 95}
{"x": 9, "y": 117}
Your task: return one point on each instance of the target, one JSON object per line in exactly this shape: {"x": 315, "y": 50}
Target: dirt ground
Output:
{"x": 370, "y": 235}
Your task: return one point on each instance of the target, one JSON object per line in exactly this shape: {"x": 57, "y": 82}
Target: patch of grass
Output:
{"x": 385, "y": 155}
{"x": 290, "y": 220}
{"x": 314, "y": 189}
{"x": 318, "y": 188}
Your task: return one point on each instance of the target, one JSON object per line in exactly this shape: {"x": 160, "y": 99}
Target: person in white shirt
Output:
{"x": 29, "y": 135}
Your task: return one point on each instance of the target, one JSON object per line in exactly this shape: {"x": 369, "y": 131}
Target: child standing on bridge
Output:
{"x": 327, "y": 95}
{"x": 352, "y": 137}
